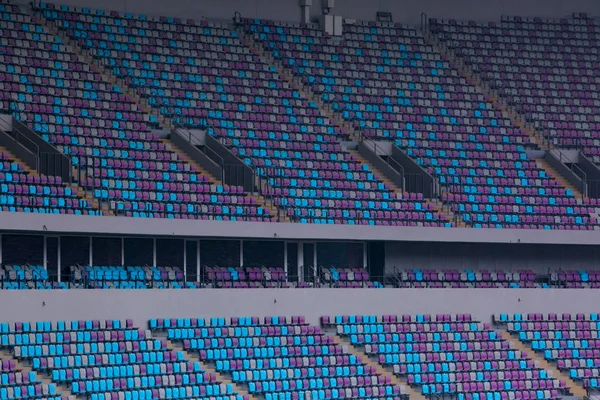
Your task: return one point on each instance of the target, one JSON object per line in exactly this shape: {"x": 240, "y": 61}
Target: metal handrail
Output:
{"x": 576, "y": 169}
{"x": 19, "y": 127}
{"x": 18, "y": 132}
{"x": 390, "y": 161}
{"x": 210, "y": 153}
{"x": 15, "y": 133}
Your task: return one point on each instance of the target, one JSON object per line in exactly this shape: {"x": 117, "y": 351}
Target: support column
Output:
{"x": 305, "y": 11}
{"x": 315, "y": 262}
{"x": 285, "y": 257}
{"x": 198, "y": 261}
{"x": 45, "y": 252}
{"x": 184, "y": 257}
{"x": 91, "y": 261}
{"x": 59, "y": 261}
{"x": 241, "y": 253}
{"x": 300, "y": 262}
{"x": 154, "y": 252}
{"x": 365, "y": 256}
{"x": 122, "y": 252}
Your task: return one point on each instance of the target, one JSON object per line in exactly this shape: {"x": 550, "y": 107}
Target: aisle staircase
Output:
{"x": 552, "y": 172}
{"x": 575, "y": 388}
{"x": 381, "y": 370}
{"x": 211, "y": 370}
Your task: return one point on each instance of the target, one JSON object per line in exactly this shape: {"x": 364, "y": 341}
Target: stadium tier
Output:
{"x": 110, "y": 360}
{"x": 569, "y": 341}
{"x": 449, "y": 354}
{"x": 554, "y": 84}
{"x": 108, "y": 136}
{"x": 387, "y": 357}
{"x": 392, "y": 84}
{"x": 249, "y": 106}
{"x": 386, "y": 81}
{"x": 279, "y": 358}
{"x": 157, "y": 172}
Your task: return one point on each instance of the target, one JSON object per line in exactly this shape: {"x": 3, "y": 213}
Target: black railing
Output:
{"x": 56, "y": 164}
{"x": 43, "y": 162}
{"x": 575, "y": 169}
{"x": 197, "y": 143}
{"x": 389, "y": 160}
{"x": 240, "y": 175}
{"x": 593, "y": 188}
{"x": 78, "y": 277}
{"x": 15, "y": 138}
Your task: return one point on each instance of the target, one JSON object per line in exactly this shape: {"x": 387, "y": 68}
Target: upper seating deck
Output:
{"x": 555, "y": 81}
{"x": 50, "y": 88}
{"x": 392, "y": 84}
{"x": 180, "y": 68}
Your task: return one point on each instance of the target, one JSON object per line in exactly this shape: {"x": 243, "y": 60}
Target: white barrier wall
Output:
{"x": 82, "y": 225}
{"x": 141, "y": 305}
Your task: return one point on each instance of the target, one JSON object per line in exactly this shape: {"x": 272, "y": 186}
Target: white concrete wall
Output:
{"x": 141, "y": 305}
{"x": 122, "y": 226}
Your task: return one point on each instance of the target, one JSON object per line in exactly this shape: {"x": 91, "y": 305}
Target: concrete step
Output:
{"x": 380, "y": 176}
{"x": 89, "y": 196}
{"x": 278, "y": 214}
{"x": 211, "y": 370}
{"x": 551, "y": 171}
{"x": 400, "y": 382}
{"x": 16, "y": 159}
{"x": 575, "y": 388}
{"x": 182, "y": 154}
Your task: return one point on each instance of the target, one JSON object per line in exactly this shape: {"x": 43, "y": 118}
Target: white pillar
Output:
{"x": 122, "y": 251}
{"x": 315, "y": 262}
{"x": 241, "y": 253}
{"x": 184, "y": 257}
{"x": 198, "y": 261}
{"x": 91, "y": 261}
{"x": 365, "y": 256}
{"x": 45, "y": 252}
{"x": 305, "y": 11}
{"x": 300, "y": 262}
{"x": 285, "y": 258}
{"x": 154, "y": 252}
{"x": 59, "y": 261}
